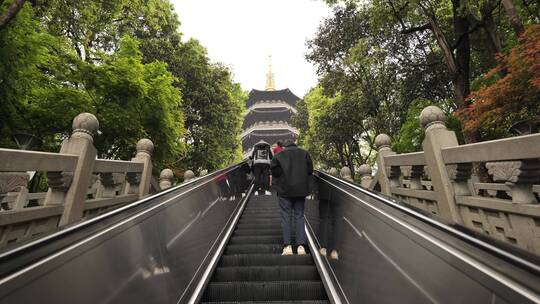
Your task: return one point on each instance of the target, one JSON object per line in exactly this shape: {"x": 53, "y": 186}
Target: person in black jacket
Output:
{"x": 261, "y": 158}
{"x": 292, "y": 171}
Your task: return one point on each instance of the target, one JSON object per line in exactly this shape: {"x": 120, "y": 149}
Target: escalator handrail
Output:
{"x": 86, "y": 223}
{"x": 518, "y": 261}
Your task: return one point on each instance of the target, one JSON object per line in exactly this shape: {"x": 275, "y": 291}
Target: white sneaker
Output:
{"x": 301, "y": 250}
{"x": 267, "y": 192}
{"x": 334, "y": 255}
{"x": 322, "y": 251}
{"x": 287, "y": 250}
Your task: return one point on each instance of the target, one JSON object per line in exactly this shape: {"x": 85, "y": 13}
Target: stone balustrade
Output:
{"x": 80, "y": 185}
{"x": 439, "y": 180}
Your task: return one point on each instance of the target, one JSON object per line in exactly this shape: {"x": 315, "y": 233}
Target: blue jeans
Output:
{"x": 292, "y": 206}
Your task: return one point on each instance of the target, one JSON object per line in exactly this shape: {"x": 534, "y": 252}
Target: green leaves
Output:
{"x": 135, "y": 100}
{"x": 124, "y": 61}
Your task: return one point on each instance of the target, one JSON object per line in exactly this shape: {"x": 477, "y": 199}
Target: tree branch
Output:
{"x": 470, "y": 31}
{"x": 415, "y": 29}
{"x": 11, "y": 12}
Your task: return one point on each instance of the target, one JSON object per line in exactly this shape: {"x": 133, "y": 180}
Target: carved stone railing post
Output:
{"x": 437, "y": 137}
{"x": 188, "y": 175}
{"x": 70, "y": 188}
{"x": 166, "y": 179}
{"x": 15, "y": 184}
{"x": 382, "y": 143}
{"x": 416, "y": 177}
{"x": 333, "y": 171}
{"x": 203, "y": 172}
{"x": 365, "y": 175}
{"x": 519, "y": 176}
{"x": 394, "y": 177}
{"x": 108, "y": 185}
{"x": 460, "y": 175}
{"x": 345, "y": 173}
{"x": 145, "y": 147}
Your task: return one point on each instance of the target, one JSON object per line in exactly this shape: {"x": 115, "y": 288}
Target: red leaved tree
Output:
{"x": 511, "y": 98}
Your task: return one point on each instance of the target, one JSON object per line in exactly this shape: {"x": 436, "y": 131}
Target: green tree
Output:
{"x": 135, "y": 100}
{"x": 39, "y": 91}
{"x": 334, "y": 130}
{"x": 213, "y": 103}
{"x": 124, "y": 61}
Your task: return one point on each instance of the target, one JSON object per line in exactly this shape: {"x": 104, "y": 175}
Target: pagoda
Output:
{"x": 268, "y": 115}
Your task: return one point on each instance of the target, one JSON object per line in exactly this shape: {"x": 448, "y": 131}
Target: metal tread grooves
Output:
{"x": 252, "y": 269}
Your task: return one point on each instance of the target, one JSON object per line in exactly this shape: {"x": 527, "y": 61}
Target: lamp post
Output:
{"x": 27, "y": 141}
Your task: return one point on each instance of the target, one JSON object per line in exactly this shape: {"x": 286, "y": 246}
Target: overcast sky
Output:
{"x": 243, "y": 33}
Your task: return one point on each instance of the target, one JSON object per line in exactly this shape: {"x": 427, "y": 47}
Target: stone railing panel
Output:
{"x": 79, "y": 184}
{"x": 116, "y": 166}
{"x": 440, "y": 180}
{"x": 18, "y": 225}
{"x": 409, "y": 159}
{"x": 22, "y": 161}
{"x": 514, "y": 148}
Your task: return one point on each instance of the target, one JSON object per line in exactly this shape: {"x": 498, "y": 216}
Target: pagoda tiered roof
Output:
{"x": 268, "y": 117}
{"x": 264, "y": 115}
{"x": 279, "y": 95}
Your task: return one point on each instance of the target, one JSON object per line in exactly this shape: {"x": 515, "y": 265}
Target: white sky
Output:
{"x": 242, "y": 33}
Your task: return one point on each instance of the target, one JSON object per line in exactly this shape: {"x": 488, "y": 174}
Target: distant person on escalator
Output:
{"x": 292, "y": 171}
{"x": 278, "y": 148}
{"x": 261, "y": 158}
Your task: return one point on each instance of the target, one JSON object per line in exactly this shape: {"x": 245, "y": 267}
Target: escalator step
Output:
{"x": 266, "y": 273}
{"x": 259, "y": 221}
{"x": 260, "y": 291}
{"x": 254, "y": 211}
{"x": 263, "y": 217}
{"x": 264, "y": 260}
{"x": 252, "y": 270}
{"x": 269, "y": 302}
{"x": 276, "y": 225}
{"x": 268, "y": 213}
{"x": 253, "y": 248}
{"x": 240, "y": 232}
{"x": 263, "y": 239}
{"x": 257, "y": 209}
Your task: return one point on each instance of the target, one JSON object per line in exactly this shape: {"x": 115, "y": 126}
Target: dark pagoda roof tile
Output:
{"x": 253, "y": 117}
{"x": 284, "y": 95}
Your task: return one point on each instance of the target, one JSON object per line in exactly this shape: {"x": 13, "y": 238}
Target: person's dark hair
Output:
{"x": 289, "y": 142}
{"x": 279, "y": 143}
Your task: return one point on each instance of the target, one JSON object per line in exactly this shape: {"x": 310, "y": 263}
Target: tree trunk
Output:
{"x": 492, "y": 36}
{"x": 461, "y": 80}
{"x": 490, "y": 27}
{"x": 460, "y": 83}
{"x": 11, "y": 12}
{"x": 513, "y": 17}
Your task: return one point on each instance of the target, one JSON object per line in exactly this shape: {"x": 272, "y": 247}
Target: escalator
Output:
{"x": 211, "y": 241}
{"x": 252, "y": 270}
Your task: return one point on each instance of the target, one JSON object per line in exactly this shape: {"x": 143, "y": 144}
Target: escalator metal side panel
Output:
{"x": 205, "y": 275}
{"x": 387, "y": 256}
{"x": 331, "y": 285}
{"x": 149, "y": 257}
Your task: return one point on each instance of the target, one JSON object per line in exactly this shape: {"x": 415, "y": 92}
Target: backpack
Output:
{"x": 262, "y": 154}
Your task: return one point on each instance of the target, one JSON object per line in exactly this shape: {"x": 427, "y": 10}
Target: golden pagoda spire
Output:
{"x": 270, "y": 76}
